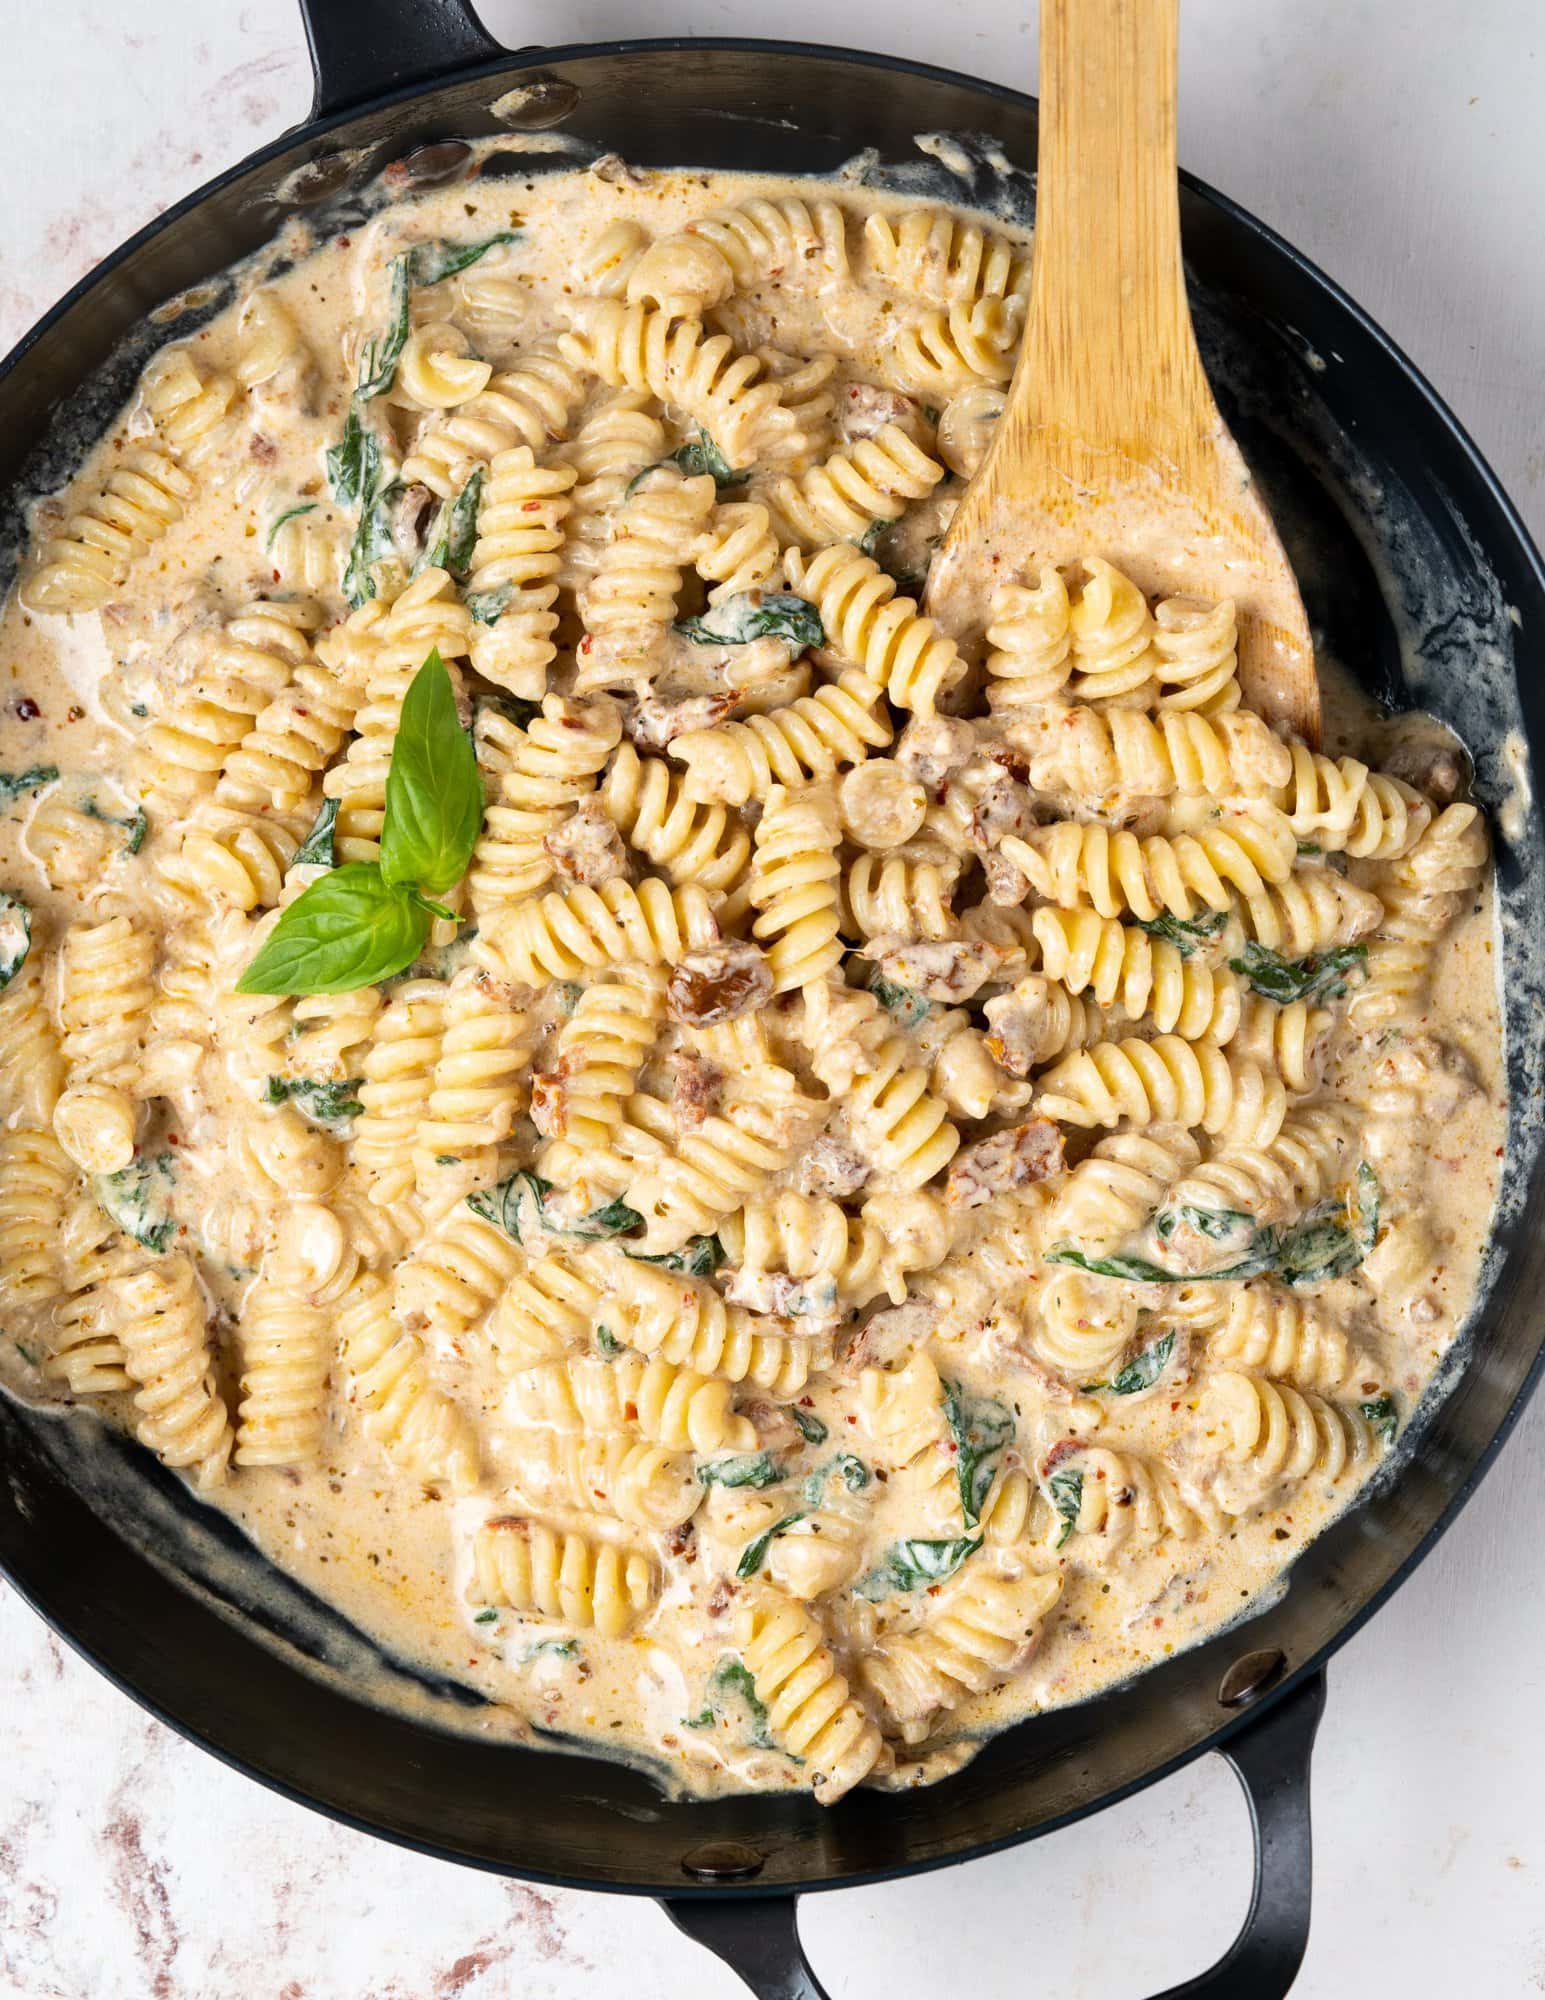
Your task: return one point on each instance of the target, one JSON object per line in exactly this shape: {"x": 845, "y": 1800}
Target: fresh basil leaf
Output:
{"x": 506, "y": 1204}
{"x": 913, "y": 1565}
{"x": 733, "y": 1680}
{"x": 453, "y": 537}
{"x": 906, "y": 1008}
{"x": 607, "y": 1342}
{"x": 615, "y": 1219}
{"x": 432, "y": 262}
{"x": 1067, "y": 1498}
{"x": 15, "y": 936}
{"x": 489, "y": 606}
{"x": 698, "y": 1257}
{"x": 1187, "y": 935}
{"x": 1334, "y": 1236}
{"x": 1142, "y": 1371}
{"x": 316, "y": 850}
{"x": 808, "y": 1424}
{"x": 755, "y": 1553}
{"x": 979, "y": 1431}
{"x": 292, "y": 513}
{"x": 702, "y": 455}
{"x": 134, "y": 1198}
{"x": 1322, "y": 975}
{"x": 756, "y": 614}
{"x": 329, "y": 1105}
{"x": 434, "y": 790}
{"x": 14, "y": 783}
{"x": 1379, "y": 1413}
{"x": 353, "y": 465}
{"x": 349, "y": 929}
{"x": 378, "y": 359}
{"x": 753, "y": 1469}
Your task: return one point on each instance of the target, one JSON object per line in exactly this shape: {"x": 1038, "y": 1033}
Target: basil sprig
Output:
{"x": 368, "y": 920}
{"x": 1288, "y": 979}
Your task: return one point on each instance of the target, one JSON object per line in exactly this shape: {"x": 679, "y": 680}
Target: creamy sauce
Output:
{"x": 1149, "y": 1456}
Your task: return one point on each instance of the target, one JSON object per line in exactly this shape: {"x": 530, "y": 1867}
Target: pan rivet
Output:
{"x": 1251, "y": 1675}
{"x": 441, "y": 160}
{"x": 534, "y": 106}
{"x": 722, "y": 1861}
{"x": 317, "y": 179}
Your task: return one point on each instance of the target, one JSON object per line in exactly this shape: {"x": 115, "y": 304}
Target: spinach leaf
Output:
{"x": 316, "y": 850}
{"x": 14, "y": 783}
{"x": 979, "y": 1431}
{"x": 453, "y": 536}
{"x": 915, "y": 1564}
{"x": 134, "y": 1198}
{"x": 434, "y": 790}
{"x": 1142, "y": 1371}
{"x": 1379, "y": 1414}
{"x": 432, "y": 262}
{"x": 353, "y": 464}
{"x": 755, "y": 1553}
{"x": 495, "y": 701}
{"x": 852, "y": 1471}
{"x": 1322, "y": 975}
{"x": 378, "y": 359}
{"x": 329, "y": 1105}
{"x": 135, "y": 824}
{"x": 906, "y": 1008}
{"x": 756, "y": 614}
{"x": 562, "y": 1649}
{"x": 1187, "y": 935}
{"x": 615, "y": 1219}
{"x": 607, "y": 1342}
{"x": 372, "y": 543}
{"x": 698, "y": 1257}
{"x": 486, "y": 1617}
{"x": 1067, "y": 1497}
{"x": 808, "y": 1424}
{"x": 754, "y": 1469}
{"x": 702, "y": 455}
{"x": 1117, "y": 1264}
{"x": 348, "y": 930}
{"x": 489, "y": 606}
{"x": 294, "y": 513}
{"x": 1334, "y": 1236}
{"x": 1216, "y": 1224}
{"x": 733, "y": 1680}
{"x": 15, "y": 936}
{"x": 506, "y": 1204}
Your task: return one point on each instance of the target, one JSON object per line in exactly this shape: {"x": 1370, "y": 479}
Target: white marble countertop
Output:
{"x": 1400, "y": 143}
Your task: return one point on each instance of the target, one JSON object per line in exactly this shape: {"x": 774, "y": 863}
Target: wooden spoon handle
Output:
{"x": 1109, "y": 331}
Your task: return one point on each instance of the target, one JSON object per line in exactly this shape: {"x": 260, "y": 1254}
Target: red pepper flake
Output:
{"x": 74, "y": 713}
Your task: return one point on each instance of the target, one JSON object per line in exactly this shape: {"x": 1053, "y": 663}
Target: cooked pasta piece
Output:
{"x": 1100, "y": 752}
{"x": 669, "y": 1404}
{"x": 1119, "y": 1502}
{"x": 659, "y": 1313}
{"x": 687, "y": 841}
{"x": 617, "y": 441}
{"x": 1273, "y": 1437}
{"x": 36, "y": 1179}
{"x": 286, "y": 1348}
{"x": 513, "y": 584}
{"x": 841, "y": 499}
{"x": 780, "y": 240}
{"x": 1342, "y": 807}
{"x": 952, "y": 347}
{"x": 794, "y": 872}
{"x": 182, "y": 1415}
{"x": 940, "y": 259}
{"x": 810, "y": 739}
{"x": 105, "y": 996}
{"x": 631, "y": 601}
{"x": 586, "y": 1585}
{"x": 809, "y": 1708}
{"x": 882, "y": 634}
{"x": 1165, "y": 1081}
{"x": 540, "y": 774}
{"x": 1272, "y": 1331}
{"x": 81, "y": 567}
{"x": 1120, "y": 965}
{"x": 530, "y": 404}
{"x": 563, "y": 937}
{"x": 1244, "y": 853}
{"x": 398, "y": 1075}
{"x": 387, "y": 1377}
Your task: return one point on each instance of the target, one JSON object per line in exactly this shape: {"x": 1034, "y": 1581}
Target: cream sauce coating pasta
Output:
{"x": 920, "y": 1174}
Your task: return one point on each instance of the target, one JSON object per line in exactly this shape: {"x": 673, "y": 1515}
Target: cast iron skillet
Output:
{"x": 1436, "y": 578}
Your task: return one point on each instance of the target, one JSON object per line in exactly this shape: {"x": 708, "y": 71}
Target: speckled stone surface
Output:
{"x": 1400, "y": 143}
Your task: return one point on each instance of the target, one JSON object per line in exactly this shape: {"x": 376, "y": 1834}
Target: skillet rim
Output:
{"x": 1392, "y": 356}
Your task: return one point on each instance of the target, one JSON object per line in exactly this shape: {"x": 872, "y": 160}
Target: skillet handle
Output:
{"x": 758, "y": 1938}
{"x": 363, "y": 48}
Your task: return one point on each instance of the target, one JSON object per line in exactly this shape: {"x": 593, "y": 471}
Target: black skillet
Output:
{"x": 1436, "y": 587}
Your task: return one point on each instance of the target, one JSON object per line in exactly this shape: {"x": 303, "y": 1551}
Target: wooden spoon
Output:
{"x": 1110, "y": 443}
